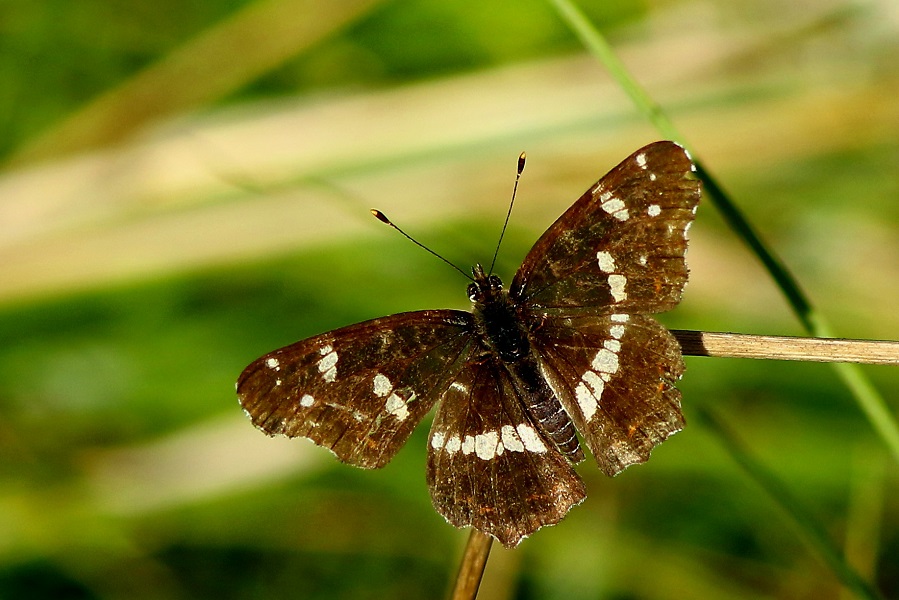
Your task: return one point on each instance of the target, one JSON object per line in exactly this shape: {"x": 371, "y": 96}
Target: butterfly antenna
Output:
{"x": 383, "y": 219}
{"x": 521, "y": 160}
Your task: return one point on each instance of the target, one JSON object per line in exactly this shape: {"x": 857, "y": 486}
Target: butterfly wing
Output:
{"x": 621, "y": 246}
{"x": 614, "y": 375}
{"x": 360, "y": 390}
{"x": 586, "y": 288}
{"x": 489, "y": 465}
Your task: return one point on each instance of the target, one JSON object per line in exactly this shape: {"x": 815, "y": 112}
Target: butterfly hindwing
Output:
{"x": 359, "y": 390}
{"x": 489, "y": 464}
{"x": 615, "y": 376}
{"x": 622, "y": 244}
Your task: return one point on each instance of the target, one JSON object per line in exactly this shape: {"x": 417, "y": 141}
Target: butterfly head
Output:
{"x": 485, "y": 287}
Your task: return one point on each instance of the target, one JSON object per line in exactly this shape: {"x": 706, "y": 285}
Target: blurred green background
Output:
{"x": 185, "y": 187}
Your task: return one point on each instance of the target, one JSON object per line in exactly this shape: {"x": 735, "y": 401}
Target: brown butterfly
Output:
{"x": 570, "y": 347}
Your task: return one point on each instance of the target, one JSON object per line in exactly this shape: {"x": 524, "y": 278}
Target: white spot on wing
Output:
{"x": 612, "y": 205}
{"x": 605, "y": 361}
{"x": 641, "y": 160}
{"x": 468, "y": 445}
{"x": 654, "y": 210}
{"x": 585, "y": 399}
{"x": 396, "y": 407}
{"x": 453, "y": 444}
{"x": 327, "y": 362}
{"x": 652, "y": 177}
{"x": 272, "y": 363}
{"x": 511, "y": 439}
{"x": 327, "y": 366}
{"x": 616, "y": 287}
{"x": 616, "y": 331}
{"x": 530, "y": 439}
{"x": 588, "y": 399}
{"x": 485, "y": 445}
{"x": 381, "y": 385}
{"x": 595, "y": 382}
{"x": 307, "y": 401}
{"x": 613, "y": 345}
{"x": 620, "y": 318}
{"x": 437, "y": 440}
{"x": 606, "y": 262}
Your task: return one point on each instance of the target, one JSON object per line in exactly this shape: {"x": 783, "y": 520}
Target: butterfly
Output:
{"x": 570, "y": 348}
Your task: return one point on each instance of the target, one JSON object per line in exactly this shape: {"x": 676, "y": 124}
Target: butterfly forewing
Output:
{"x": 489, "y": 464}
{"x": 615, "y": 376}
{"x": 359, "y": 390}
{"x": 621, "y": 246}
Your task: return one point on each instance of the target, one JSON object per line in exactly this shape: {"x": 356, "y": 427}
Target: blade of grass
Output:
{"x": 809, "y": 528}
{"x": 866, "y": 396}
{"x": 865, "y": 513}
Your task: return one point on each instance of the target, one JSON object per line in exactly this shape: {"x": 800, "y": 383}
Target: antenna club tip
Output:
{"x": 521, "y": 160}
{"x": 379, "y": 216}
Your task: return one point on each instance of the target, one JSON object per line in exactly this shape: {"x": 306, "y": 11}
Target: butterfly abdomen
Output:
{"x": 545, "y": 408}
{"x": 503, "y": 332}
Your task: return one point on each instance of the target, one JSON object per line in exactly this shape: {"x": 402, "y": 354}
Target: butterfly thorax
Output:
{"x": 496, "y": 317}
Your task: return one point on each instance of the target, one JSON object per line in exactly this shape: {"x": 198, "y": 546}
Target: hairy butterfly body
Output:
{"x": 569, "y": 347}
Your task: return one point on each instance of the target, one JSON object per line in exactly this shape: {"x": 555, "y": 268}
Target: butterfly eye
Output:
{"x": 473, "y": 292}
{"x": 495, "y": 283}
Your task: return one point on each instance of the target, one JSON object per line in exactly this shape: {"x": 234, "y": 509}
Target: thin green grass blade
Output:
{"x": 809, "y": 528}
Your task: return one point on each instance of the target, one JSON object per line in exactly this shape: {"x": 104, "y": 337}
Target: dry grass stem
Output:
{"x": 743, "y": 345}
